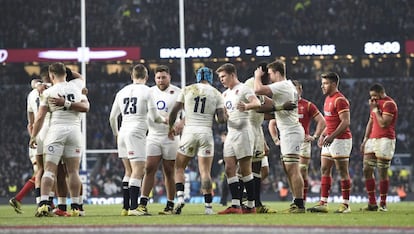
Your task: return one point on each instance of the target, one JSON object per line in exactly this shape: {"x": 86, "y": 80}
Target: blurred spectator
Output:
{"x": 110, "y": 188}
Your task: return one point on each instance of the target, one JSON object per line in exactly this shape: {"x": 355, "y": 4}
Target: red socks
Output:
{"x": 326, "y": 182}
{"x": 30, "y": 184}
{"x": 383, "y": 187}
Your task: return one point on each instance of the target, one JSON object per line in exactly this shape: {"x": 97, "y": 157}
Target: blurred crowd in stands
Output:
{"x": 106, "y": 169}
{"x": 155, "y": 22}
{"x": 152, "y": 23}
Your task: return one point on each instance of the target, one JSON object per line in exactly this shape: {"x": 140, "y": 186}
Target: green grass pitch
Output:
{"x": 399, "y": 215}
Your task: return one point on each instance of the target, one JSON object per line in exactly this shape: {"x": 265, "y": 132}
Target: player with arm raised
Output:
{"x": 378, "y": 145}
{"x": 291, "y": 132}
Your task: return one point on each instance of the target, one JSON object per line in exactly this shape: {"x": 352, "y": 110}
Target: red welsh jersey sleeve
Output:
{"x": 335, "y": 105}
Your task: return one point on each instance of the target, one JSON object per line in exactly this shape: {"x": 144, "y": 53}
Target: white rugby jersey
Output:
{"x": 284, "y": 91}
{"x": 33, "y": 102}
{"x": 255, "y": 118}
{"x": 71, "y": 92}
{"x": 200, "y": 104}
{"x": 134, "y": 103}
{"x": 164, "y": 101}
{"x": 239, "y": 93}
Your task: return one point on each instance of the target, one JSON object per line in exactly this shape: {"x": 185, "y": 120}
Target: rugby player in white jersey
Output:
{"x": 63, "y": 139}
{"x": 61, "y": 187}
{"x": 33, "y": 102}
{"x": 260, "y": 163}
{"x": 159, "y": 146}
{"x": 135, "y": 105}
{"x": 291, "y": 131}
{"x": 201, "y": 102}
{"x": 238, "y": 146}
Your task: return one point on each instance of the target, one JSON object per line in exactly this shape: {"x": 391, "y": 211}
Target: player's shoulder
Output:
{"x": 174, "y": 87}
{"x": 33, "y": 93}
{"x": 250, "y": 82}
{"x": 77, "y": 82}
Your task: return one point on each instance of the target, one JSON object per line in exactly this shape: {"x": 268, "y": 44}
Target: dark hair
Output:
{"x": 278, "y": 66}
{"x": 377, "y": 88}
{"x": 69, "y": 74}
{"x": 331, "y": 76}
{"x": 265, "y": 77}
{"x": 162, "y": 68}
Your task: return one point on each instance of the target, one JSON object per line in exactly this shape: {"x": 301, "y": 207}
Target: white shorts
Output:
{"x": 132, "y": 144}
{"x": 32, "y": 155}
{"x": 305, "y": 150}
{"x": 265, "y": 161}
{"x": 162, "y": 146}
{"x": 201, "y": 144}
{"x": 339, "y": 148}
{"x": 291, "y": 141}
{"x": 238, "y": 143}
{"x": 383, "y": 148}
{"x": 63, "y": 141}
{"x": 259, "y": 141}
{"x": 40, "y": 139}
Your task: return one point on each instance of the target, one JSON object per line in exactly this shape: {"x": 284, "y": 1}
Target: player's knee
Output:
{"x": 369, "y": 164}
{"x": 247, "y": 178}
{"x": 383, "y": 164}
{"x": 303, "y": 167}
{"x": 206, "y": 184}
{"x": 50, "y": 175}
{"x": 289, "y": 159}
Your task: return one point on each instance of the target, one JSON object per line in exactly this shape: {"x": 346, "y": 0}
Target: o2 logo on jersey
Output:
{"x": 51, "y": 149}
{"x": 161, "y": 105}
{"x": 229, "y": 105}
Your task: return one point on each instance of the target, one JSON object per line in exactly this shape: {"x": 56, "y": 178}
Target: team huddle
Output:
{"x": 167, "y": 125}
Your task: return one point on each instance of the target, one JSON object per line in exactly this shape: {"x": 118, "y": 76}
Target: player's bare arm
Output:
{"x": 30, "y": 121}
{"x": 253, "y": 103}
{"x": 273, "y": 131}
{"x": 368, "y": 130}
{"x": 343, "y": 125}
{"x": 179, "y": 126}
{"x": 37, "y": 125}
{"x": 82, "y": 106}
{"x": 320, "y": 126}
{"x": 221, "y": 115}
{"x": 172, "y": 117}
{"x": 384, "y": 120}
{"x": 259, "y": 87}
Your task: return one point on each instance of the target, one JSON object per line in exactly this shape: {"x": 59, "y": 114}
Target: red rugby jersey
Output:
{"x": 387, "y": 106}
{"x": 334, "y": 105}
{"x": 307, "y": 111}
